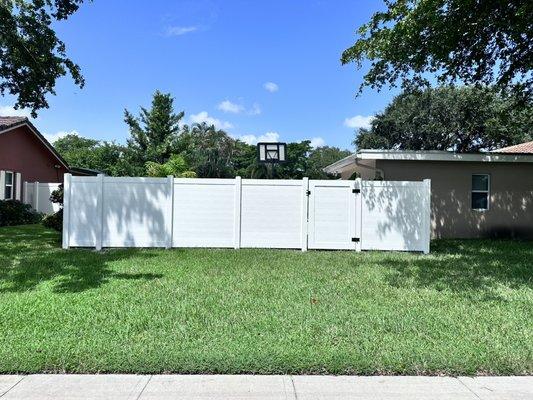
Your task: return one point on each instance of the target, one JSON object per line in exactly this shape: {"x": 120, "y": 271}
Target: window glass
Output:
{"x": 480, "y": 201}
{"x": 480, "y": 182}
{"x": 9, "y": 178}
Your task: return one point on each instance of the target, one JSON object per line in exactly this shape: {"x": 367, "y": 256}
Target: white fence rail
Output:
{"x": 236, "y": 213}
{"x": 37, "y": 194}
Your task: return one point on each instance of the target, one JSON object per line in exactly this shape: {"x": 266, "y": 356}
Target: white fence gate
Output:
{"x": 236, "y": 213}
{"x": 37, "y": 194}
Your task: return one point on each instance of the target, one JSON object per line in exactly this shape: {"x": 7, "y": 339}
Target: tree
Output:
{"x": 297, "y": 164}
{"x": 154, "y": 134}
{"x": 464, "y": 119}
{"x": 32, "y": 57}
{"x": 107, "y": 157}
{"x": 321, "y": 157}
{"x": 209, "y": 151}
{"x": 476, "y": 42}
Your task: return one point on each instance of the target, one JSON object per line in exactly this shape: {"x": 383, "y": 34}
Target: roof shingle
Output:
{"x": 522, "y": 148}
{"x": 6, "y": 122}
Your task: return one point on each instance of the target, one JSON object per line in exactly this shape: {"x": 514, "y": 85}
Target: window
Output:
{"x": 480, "y": 191}
{"x": 8, "y": 188}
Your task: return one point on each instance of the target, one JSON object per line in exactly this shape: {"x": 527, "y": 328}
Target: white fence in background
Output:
{"x": 236, "y": 213}
{"x": 37, "y": 194}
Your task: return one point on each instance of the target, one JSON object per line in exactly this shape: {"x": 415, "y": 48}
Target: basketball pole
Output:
{"x": 270, "y": 170}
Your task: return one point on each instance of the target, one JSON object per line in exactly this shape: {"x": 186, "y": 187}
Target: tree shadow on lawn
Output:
{"x": 29, "y": 257}
{"x": 474, "y": 266}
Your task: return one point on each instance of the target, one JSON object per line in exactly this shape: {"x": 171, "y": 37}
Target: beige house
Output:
{"x": 472, "y": 195}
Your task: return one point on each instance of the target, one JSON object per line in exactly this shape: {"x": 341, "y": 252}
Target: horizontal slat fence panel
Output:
{"x": 83, "y": 212}
{"x": 271, "y": 214}
{"x": 134, "y": 212}
{"x": 204, "y": 213}
{"x": 396, "y": 215}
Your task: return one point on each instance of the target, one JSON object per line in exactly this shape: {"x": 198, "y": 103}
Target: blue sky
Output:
{"x": 258, "y": 69}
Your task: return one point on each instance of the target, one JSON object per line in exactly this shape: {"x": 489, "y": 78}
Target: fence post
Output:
{"x": 237, "y": 213}
{"x": 36, "y": 196}
{"x": 100, "y": 211}
{"x": 427, "y": 227}
{"x": 170, "y": 211}
{"x": 18, "y": 176}
{"x": 305, "y": 213}
{"x": 359, "y": 215}
{"x": 66, "y": 209}
{"x": 25, "y": 194}
{"x": 2, "y": 184}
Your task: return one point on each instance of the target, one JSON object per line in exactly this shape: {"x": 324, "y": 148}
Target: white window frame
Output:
{"x": 12, "y": 185}
{"x": 487, "y": 192}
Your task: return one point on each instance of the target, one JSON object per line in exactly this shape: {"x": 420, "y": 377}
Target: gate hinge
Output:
{"x": 355, "y": 240}
{"x": 307, "y": 192}
{"x": 356, "y": 190}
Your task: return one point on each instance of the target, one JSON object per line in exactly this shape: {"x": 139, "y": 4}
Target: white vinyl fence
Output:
{"x": 237, "y": 213}
{"x": 37, "y": 194}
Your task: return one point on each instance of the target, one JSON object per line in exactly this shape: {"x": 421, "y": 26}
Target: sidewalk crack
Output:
{"x": 15, "y": 384}
{"x": 294, "y": 388}
{"x": 470, "y": 390}
{"x": 144, "y": 387}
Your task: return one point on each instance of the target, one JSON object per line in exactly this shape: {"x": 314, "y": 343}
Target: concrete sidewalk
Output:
{"x": 159, "y": 387}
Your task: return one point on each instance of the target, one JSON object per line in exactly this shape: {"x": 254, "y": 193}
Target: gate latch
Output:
{"x": 356, "y": 190}
{"x": 355, "y": 240}
{"x": 307, "y": 192}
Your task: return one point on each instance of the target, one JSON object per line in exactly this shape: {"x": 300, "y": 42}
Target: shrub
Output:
{"x": 176, "y": 166}
{"x": 14, "y": 212}
{"x": 54, "y": 221}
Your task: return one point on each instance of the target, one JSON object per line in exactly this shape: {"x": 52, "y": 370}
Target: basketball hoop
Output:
{"x": 272, "y": 153}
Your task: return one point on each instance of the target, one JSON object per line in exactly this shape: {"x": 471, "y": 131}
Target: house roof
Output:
{"x": 522, "y": 148}
{"x": 9, "y": 123}
{"x": 84, "y": 171}
{"x": 427, "y": 155}
{"x": 6, "y": 122}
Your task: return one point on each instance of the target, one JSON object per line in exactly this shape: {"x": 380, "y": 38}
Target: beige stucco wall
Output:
{"x": 511, "y": 197}
{"x": 365, "y": 168}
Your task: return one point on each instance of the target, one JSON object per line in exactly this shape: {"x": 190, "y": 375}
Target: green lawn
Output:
{"x": 466, "y": 308}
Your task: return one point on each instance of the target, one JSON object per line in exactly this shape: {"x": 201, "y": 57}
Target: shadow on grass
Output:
{"x": 31, "y": 255}
{"x": 467, "y": 266}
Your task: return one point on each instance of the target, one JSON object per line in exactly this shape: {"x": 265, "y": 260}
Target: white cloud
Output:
{"x": 359, "y": 121}
{"x": 9, "y": 111}
{"x": 271, "y": 87}
{"x": 58, "y": 135}
{"x": 203, "y": 116}
{"x": 255, "y": 110}
{"x": 229, "y": 107}
{"x": 180, "y": 30}
{"x": 253, "y": 139}
{"x": 317, "y": 142}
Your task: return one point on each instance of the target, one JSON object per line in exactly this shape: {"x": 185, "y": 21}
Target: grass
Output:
{"x": 467, "y": 308}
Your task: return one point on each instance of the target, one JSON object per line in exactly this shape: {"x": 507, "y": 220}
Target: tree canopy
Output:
{"x": 32, "y": 57}
{"x": 159, "y": 146}
{"x": 154, "y": 133}
{"x": 107, "y": 157}
{"x": 464, "y": 119}
{"x": 474, "y": 42}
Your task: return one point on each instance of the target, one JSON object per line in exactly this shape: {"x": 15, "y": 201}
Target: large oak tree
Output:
{"x": 464, "y": 119}
{"x": 32, "y": 57}
{"x": 469, "y": 41}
